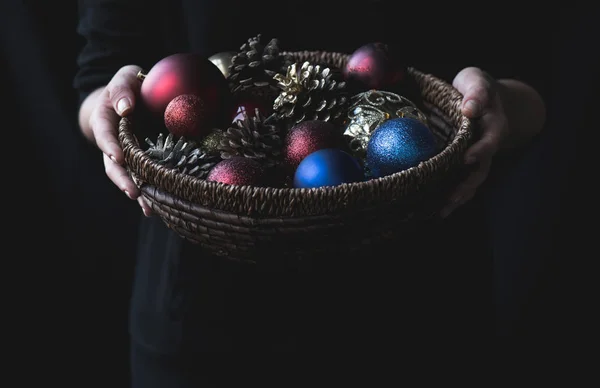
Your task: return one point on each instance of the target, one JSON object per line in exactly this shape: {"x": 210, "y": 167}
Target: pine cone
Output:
{"x": 182, "y": 155}
{"x": 253, "y": 68}
{"x": 310, "y": 92}
{"x": 253, "y": 137}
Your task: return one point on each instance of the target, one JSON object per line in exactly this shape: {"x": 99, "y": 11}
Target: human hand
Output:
{"x": 117, "y": 100}
{"x": 481, "y": 102}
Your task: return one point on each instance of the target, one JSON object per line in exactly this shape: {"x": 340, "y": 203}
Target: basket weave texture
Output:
{"x": 253, "y": 223}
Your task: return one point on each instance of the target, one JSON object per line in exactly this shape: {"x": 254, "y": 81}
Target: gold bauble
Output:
{"x": 369, "y": 109}
{"x": 210, "y": 144}
{"x": 223, "y": 61}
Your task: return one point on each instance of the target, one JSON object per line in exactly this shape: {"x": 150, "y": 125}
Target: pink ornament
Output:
{"x": 239, "y": 171}
{"x": 309, "y": 136}
{"x": 180, "y": 74}
{"x": 374, "y": 67}
{"x": 186, "y": 115}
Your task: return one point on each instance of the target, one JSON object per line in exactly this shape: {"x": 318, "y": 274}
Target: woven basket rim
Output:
{"x": 183, "y": 182}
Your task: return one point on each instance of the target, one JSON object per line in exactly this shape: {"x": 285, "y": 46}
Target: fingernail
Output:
{"x": 127, "y": 194}
{"x": 143, "y": 206}
{"x": 123, "y": 105}
{"x": 114, "y": 159}
{"x": 472, "y": 106}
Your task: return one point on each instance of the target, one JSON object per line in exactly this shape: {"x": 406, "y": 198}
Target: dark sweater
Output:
{"x": 433, "y": 281}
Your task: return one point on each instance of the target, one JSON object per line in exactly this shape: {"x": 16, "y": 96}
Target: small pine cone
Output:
{"x": 310, "y": 92}
{"x": 182, "y": 155}
{"x": 253, "y": 137}
{"x": 253, "y": 67}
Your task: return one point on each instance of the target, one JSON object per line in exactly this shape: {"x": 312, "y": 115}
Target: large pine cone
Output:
{"x": 182, "y": 155}
{"x": 310, "y": 92}
{"x": 252, "y": 137}
{"x": 253, "y": 67}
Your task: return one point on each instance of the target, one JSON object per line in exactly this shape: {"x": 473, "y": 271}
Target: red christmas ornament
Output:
{"x": 309, "y": 136}
{"x": 374, "y": 67}
{"x": 180, "y": 74}
{"x": 185, "y": 116}
{"x": 248, "y": 107}
{"x": 239, "y": 171}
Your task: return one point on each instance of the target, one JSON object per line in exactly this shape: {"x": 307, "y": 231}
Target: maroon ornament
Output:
{"x": 239, "y": 171}
{"x": 180, "y": 74}
{"x": 309, "y": 136}
{"x": 374, "y": 67}
{"x": 249, "y": 108}
{"x": 185, "y": 116}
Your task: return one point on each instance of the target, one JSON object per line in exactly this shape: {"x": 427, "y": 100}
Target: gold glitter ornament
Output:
{"x": 369, "y": 109}
{"x": 210, "y": 144}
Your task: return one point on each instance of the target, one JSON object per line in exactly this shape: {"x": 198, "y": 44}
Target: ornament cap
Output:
{"x": 141, "y": 75}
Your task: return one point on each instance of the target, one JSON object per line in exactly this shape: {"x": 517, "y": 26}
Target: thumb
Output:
{"x": 123, "y": 89}
{"x": 476, "y": 87}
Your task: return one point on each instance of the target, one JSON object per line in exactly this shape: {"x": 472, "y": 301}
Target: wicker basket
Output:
{"x": 257, "y": 223}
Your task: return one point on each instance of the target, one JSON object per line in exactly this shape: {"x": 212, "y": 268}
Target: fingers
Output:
{"x": 480, "y": 102}
{"x": 117, "y": 99}
{"x": 123, "y": 88}
{"x": 145, "y": 206}
{"x": 467, "y": 189}
{"x": 476, "y": 86}
{"x": 495, "y": 128}
{"x": 104, "y": 122}
{"x": 119, "y": 176}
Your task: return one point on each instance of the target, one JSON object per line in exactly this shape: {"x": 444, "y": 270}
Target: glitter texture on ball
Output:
{"x": 185, "y": 116}
{"x": 186, "y": 73}
{"x": 310, "y": 136}
{"x": 237, "y": 171}
{"x": 399, "y": 144}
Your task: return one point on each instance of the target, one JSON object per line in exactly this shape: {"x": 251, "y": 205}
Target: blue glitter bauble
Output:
{"x": 398, "y": 144}
{"x": 327, "y": 167}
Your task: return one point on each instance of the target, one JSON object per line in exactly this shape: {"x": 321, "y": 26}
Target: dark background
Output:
{"x": 73, "y": 239}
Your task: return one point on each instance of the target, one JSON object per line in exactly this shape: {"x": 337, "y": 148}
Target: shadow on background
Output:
{"x": 74, "y": 232}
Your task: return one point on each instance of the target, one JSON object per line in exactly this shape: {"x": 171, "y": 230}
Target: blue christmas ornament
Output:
{"x": 327, "y": 167}
{"x": 398, "y": 144}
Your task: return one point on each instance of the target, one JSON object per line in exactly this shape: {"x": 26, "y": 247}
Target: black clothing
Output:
{"x": 186, "y": 302}
{"x": 443, "y": 42}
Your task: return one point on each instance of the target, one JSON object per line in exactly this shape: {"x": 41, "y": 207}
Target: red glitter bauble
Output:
{"x": 180, "y": 74}
{"x": 309, "y": 136}
{"x": 186, "y": 116}
{"x": 374, "y": 67}
{"x": 249, "y": 108}
{"x": 239, "y": 171}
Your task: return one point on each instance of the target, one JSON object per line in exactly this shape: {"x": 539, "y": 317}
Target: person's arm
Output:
{"x": 115, "y": 35}
{"x": 101, "y": 110}
{"x": 508, "y": 112}
{"x": 115, "y": 38}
